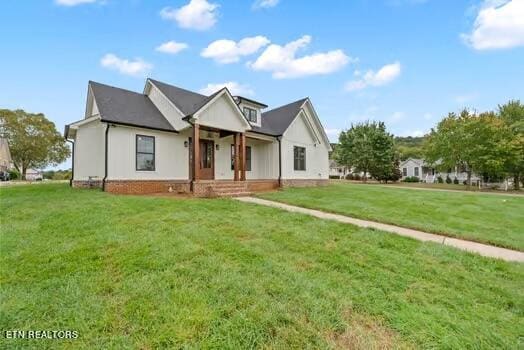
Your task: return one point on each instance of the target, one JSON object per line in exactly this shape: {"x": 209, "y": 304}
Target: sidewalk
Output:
{"x": 479, "y": 248}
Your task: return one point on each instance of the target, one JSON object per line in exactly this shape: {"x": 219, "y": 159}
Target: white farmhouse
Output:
{"x": 413, "y": 167}
{"x": 171, "y": 139}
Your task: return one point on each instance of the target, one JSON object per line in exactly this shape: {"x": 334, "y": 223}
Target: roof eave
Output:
{"x": 138, "y": 126}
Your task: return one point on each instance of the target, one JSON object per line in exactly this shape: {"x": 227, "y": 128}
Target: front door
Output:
{"x": 207, "y": 159}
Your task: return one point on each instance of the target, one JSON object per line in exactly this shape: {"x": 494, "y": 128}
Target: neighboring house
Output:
{"x": 171, "y": 139}
{"x": 336, "y": 170}
{"x": 6, "y": 163}
{"x": 33, "y": 175}
{"x": 413, "y": 167}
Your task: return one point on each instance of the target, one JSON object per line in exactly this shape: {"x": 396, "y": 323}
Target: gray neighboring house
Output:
{"x": 336, "y": 170}
{"x": 6, "y": 163}
{"x": 414, "y": 167}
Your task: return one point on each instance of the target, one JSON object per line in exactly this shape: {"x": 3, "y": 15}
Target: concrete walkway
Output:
{"x": 479, "y": 248}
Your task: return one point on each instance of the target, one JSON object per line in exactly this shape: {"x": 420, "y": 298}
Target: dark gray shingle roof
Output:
{"x": 187, "y": 101}
{"x": 276, "y": 121}
{"x": 127, "y": 107}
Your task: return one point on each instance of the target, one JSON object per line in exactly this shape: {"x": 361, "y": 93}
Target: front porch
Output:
{"x": 231, "y": 163}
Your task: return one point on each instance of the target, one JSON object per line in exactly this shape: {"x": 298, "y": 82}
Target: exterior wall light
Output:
{"x": 186, "y": 144}
{"x": 217, "y": 146}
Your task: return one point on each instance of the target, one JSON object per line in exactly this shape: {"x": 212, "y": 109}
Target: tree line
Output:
{"x": 34, "y": 142}
{"x": 490, "y": 144}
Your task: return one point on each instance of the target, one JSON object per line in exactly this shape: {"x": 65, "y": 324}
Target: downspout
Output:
{"x": 72, "y": 162}
{"x": 105, "y": 158}
{"x": 279, "y": 138}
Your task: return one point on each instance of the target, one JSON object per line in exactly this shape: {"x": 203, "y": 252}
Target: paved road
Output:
{"x": 25, "y": 183}
{"x": 479, "y": 248}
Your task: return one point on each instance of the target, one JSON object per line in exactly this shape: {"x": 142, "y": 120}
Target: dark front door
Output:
{"x": 207, "y": 159}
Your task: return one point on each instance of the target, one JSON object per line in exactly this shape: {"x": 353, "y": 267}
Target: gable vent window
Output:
{"x": 251, "y": 114}
{"x": 299, "y": 156}
{"x": 145, "y": 153}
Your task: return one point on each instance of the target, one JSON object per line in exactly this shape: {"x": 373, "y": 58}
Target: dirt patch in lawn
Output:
{"x": 365, "y": 332}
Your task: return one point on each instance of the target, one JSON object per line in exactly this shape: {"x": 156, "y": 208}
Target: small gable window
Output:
{"x": 145, "y": 153}
{"x": 299, "y": 156}
{"x": 251, "y": 114}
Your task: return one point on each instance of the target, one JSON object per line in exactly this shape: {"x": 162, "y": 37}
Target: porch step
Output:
{"x": 228, "y": 189}
{"x": 233, "y": 194}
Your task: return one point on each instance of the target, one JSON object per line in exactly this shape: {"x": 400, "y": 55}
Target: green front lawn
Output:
{"x": 153, "y": 272}
{"x": 486, "y": 218}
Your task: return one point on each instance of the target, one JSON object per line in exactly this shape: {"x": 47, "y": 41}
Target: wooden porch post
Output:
{"x": 196, "y": 152}
{"x": 236, "y": 138}
{"x": 242, "y": 157}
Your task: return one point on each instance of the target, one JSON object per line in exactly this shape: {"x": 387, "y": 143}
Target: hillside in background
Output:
{"x": 409, "y": 147}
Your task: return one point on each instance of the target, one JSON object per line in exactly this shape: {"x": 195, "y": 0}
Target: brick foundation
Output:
{"x": 304, "y": 182}
{"x": 262, "y": 185}
{"x": 87, "y": 184}
{"x": 147, "y": 186}
{"x": 202, "y": 188}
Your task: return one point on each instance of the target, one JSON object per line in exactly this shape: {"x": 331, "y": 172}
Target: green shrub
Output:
{"x": 448, "y": 180}
{"x": 14, "y": 174}
{"x": 411, "y": 179}
{"x": 456, "y": 181}
{"x": 349, "y": 177}
{"x": 440, "y": 180}
{"x": 356, "y": 177}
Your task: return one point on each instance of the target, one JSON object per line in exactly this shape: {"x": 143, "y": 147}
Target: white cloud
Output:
{"x": 332, "y": 133}
{"x": 282, "y": 63}
{"x": 197, "y": 14}
{"x": 396, "y": 117}
{"x": 383, "y": 76}
{"x": 462, "y": 99}
{"x": 73, "y": 2}
{"x": 264, "y": 4}
{"x": 136, "y": 67}
{"x": 229, "y": 51}
{"x": 499, "y": 25}
{"x": 172, "y": 47}
{"x": 414, "y": 133}
{"x": 233, "y": 87}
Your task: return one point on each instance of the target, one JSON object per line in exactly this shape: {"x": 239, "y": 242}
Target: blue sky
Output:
{"x": 405, "y": 62}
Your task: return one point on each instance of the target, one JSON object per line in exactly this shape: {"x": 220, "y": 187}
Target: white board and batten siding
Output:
{"x": 222, "y": 114}
{"x": 317, "y": 159}
{"x": 264, "y": 159}
{"x": 89, "y": 151}
{"x": 171, "y": 156}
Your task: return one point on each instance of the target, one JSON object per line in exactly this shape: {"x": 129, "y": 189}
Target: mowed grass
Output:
{"x": 151, "y": 272}
{"x": 486, "y": 218}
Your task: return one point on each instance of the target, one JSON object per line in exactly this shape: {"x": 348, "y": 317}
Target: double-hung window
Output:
{"x": 251, "y": 114}
{"x": 416, "y": 171}
{"x": 299, "y": 156}
{"x": 145, "y": 153}
{"x": 248, "y": 158}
